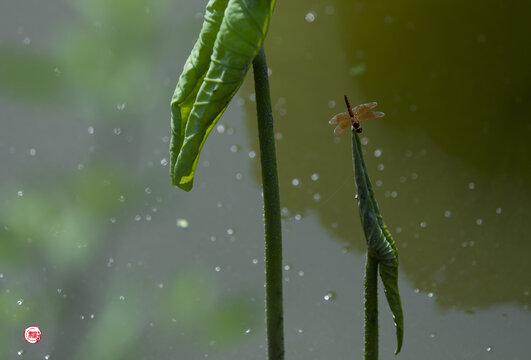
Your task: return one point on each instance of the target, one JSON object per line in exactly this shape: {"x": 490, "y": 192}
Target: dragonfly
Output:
{"x": 353, "y": 117}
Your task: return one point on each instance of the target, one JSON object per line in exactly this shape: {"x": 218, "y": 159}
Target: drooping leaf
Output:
{"x": 233, "y": 32}
{"x": 380, "y": 243}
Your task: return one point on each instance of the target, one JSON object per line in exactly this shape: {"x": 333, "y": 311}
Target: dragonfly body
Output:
{"x": 353, "y": 117}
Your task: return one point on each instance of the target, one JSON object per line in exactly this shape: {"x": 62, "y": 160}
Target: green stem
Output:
{"x": 371, "y": 309}
{"x": 273, "y": 232}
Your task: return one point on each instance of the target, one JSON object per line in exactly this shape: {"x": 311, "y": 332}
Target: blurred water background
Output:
{"x": 111, "y": 262}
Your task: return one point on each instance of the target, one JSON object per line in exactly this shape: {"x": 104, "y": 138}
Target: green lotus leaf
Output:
{"x": 233, "y": 31}
{"x": 380, "y": 243}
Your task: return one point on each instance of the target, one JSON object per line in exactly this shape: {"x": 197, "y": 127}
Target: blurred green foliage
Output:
{"x": 60, "y": 231}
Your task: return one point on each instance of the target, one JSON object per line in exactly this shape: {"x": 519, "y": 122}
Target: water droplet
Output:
{"x": 148, "y": 217}
{"x": 182, "y": 223}
{"x": 447, "y": 213}
{"x": 220, "y": 128}
{"x": 138, "y": 217}
{"x": 330, "y": 10}
{"x": 20, "y": 302}
{"x": 27, "y": 41}
{"x": 298, "y": 217}
{"x": 315, "y": 176}
{"x": 316, "y": 197}
{"x": 1, "y": 276}
{"x": 416, "y": 291}
{"x": 239, "y": 176}
{"x": 287, "y": 267}
{"x": 20, "y": 193}
{"x": 212, "y": 238}
{"x": 310, "y": 16}
{"x": 394, "y": 194}
{"x": 489, "y": 348}
{"x": 479, "y": 221}
{"x": 430, "y": 294}
{"x": 92, "y": 316}
{"x": 248, "y": 331}
{"x": 47, "y": 357}
{"x": 147, "y": 190}
{"x": 165, "y": 139}
{"x": 252, "y": 154}
{"x": 433, "y": 334}
{"x": 403, "y": 179}
{"x": 471, "y": 186}
{"x": 20, "y": 352}
{"x": 498, "y": 211}
{"x": 331, "y": 104}
{"x": 380, "y": 167}
{"x": 82, "y": 317}
{"x": 329, "y": 296}
{"x": 122, "y": 297}
{"x": 120, "y": 107}
{"x": 301, "y": 273}
{"x": 295, "y": 182}
{"x": 364, "y": 140}
{"x": 32, "y": 152}
{"x": 414, "y": 176}
{"x": 217, "y": 268}
{"x": 423, "y": 224}
{"x": 164, "y": 162}
{"x": 300, "y": 331}
{"x": 117, "y": 131}
{"x": 377, "y": 153}
{"x": 379, "y": 183}
{"x": 230, "y": 231}
{"x": 160, "y": 285}
{"x": 90, "y": 130}
{"x": 112, "y": 220}
{"x": 234, "y": 148}
{"x": 279, "y": 136}
{"x": 255, "y": 261}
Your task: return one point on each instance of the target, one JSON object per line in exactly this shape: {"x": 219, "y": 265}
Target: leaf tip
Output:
{"x": 399, "y": 338}
{"x": 182, "y": 183}
{"x": 398, "y": 348}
